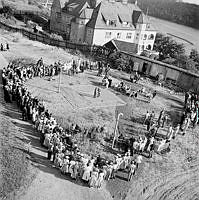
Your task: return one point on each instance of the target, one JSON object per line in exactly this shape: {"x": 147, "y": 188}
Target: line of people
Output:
{"x": 61, "y": 149}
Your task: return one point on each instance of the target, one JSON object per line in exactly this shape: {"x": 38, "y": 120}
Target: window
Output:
{"x": 145, "y": 37}
{"x": 107, "y": 22}
{"x": 58, "y": 16}
{"x": 128, "y": 35}
{"x": 119, "y": 35}
{"x": 149, "y": 47}
{"x": 108, "y": 35}
{"x": 151, "y": 37}
{"x": 112, "y": 22}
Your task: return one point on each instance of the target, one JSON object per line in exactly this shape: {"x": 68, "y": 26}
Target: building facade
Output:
{"x": 96, "y": 22}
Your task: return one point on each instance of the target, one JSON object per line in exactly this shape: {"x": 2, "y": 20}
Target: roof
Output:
{"x": 116, "y": 11}
{"x": 143, "y": 19}
{"x": 122, "y": 46}
{"x": 75, "y": 7}
{"x": 58, "y": 3}
{"x": 86, "y": 13}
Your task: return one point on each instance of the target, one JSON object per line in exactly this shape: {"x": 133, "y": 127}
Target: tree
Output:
{"x": 167, "y": 47}
{"x": 185, "y": 62}
{"x": 194, "y": 55}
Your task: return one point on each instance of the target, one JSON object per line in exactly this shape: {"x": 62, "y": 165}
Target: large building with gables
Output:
{"x": 98, "y": 22}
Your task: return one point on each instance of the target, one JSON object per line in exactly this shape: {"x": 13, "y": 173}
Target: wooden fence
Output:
{"x": 44, "y": 38}
{"x": 38, "y": 13}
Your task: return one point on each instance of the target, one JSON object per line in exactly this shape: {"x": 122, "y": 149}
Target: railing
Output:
{"x": 55, "y": 42}
{"x": 38, "y": 13}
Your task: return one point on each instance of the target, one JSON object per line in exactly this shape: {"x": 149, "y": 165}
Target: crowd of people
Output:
{"x": 190, "y": 115}
{"x": 64, "y": 152}
{"x": 127, "y": 90}
{"x": 61, "y": 149}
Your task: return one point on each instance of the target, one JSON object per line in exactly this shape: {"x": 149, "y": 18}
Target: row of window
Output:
{"x": 129, "y": 36}
{"x": 142, "y": 47}
{"x": 108, "y": 35}
{"x": 150, "y": 37}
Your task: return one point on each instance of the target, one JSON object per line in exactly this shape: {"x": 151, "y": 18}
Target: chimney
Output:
{"x": 125, "y": 2}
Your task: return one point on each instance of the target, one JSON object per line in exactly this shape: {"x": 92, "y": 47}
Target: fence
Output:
{"x": 52, "y": 41}
{"x": 183, "y": 78}
{"x": 38, "y": 13}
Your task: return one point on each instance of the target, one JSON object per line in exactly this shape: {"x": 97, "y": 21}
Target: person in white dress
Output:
{"x": 87, "y": 172}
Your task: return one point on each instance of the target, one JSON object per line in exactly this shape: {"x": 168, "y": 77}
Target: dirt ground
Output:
{"x": 171, "y": 176}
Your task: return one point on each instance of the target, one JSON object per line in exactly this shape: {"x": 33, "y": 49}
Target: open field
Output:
{"x": 75, "y": 101}
{"x": 171, "y": 176}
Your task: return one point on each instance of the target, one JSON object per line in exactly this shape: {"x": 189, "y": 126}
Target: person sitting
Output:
{"x": 133, "y": 94}
{"x": 128, "y": 90}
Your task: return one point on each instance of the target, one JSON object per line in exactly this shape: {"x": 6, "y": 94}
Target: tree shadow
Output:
{"x": 85, "y": 94}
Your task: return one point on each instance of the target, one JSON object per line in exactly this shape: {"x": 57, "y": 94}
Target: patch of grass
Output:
{"x": 14, "y": 165}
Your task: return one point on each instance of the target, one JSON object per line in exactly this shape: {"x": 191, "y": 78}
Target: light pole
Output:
{"x": 59, "y": 87}
{"x": 115, "y": 130}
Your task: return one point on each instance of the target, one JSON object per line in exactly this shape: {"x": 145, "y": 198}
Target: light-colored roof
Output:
{"x": 113, "y": 11}
{"x": 59, "y": 3}
{"x": 143, "y": 19}
{"x": 86, "y": 13}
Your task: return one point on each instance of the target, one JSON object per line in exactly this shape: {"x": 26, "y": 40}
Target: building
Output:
{"x": 97, "y": 22}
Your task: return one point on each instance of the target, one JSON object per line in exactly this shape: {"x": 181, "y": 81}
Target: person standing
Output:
{"x": 7, "y": 46}
{"x": 176, "y": 131}
{"x": 131, "y": 171}
{"x": 98, "y": 92}
{"x": 146, "y": 118}
{"x": 154, "y": 94}
{"x": 50, "y": 151}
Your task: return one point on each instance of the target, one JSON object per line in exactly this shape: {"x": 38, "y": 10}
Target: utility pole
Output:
{"x": 59, "y": 86}
{"x": 115, "y": 130}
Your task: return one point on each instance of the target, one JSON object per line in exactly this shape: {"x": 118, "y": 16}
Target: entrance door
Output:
{"x": 144, "y": 68}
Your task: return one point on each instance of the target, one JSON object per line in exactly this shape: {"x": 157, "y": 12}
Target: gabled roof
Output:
{"x": 143, "y": 19}
{"x": 86, "y": 13}
{"x": 59, "y": 4}
{"x": 107, "y": 10}
{"x": 75, "y": 7}
{"x": 122, "y": 46}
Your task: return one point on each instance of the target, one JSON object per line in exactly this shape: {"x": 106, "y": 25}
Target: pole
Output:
{"x": 115, "y": 129}
{"x": 59, "y": 86}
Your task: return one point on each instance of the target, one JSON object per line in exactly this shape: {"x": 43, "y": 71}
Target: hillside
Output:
{"x": 25, "y": 4}
{"x": 181, "y": 13}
